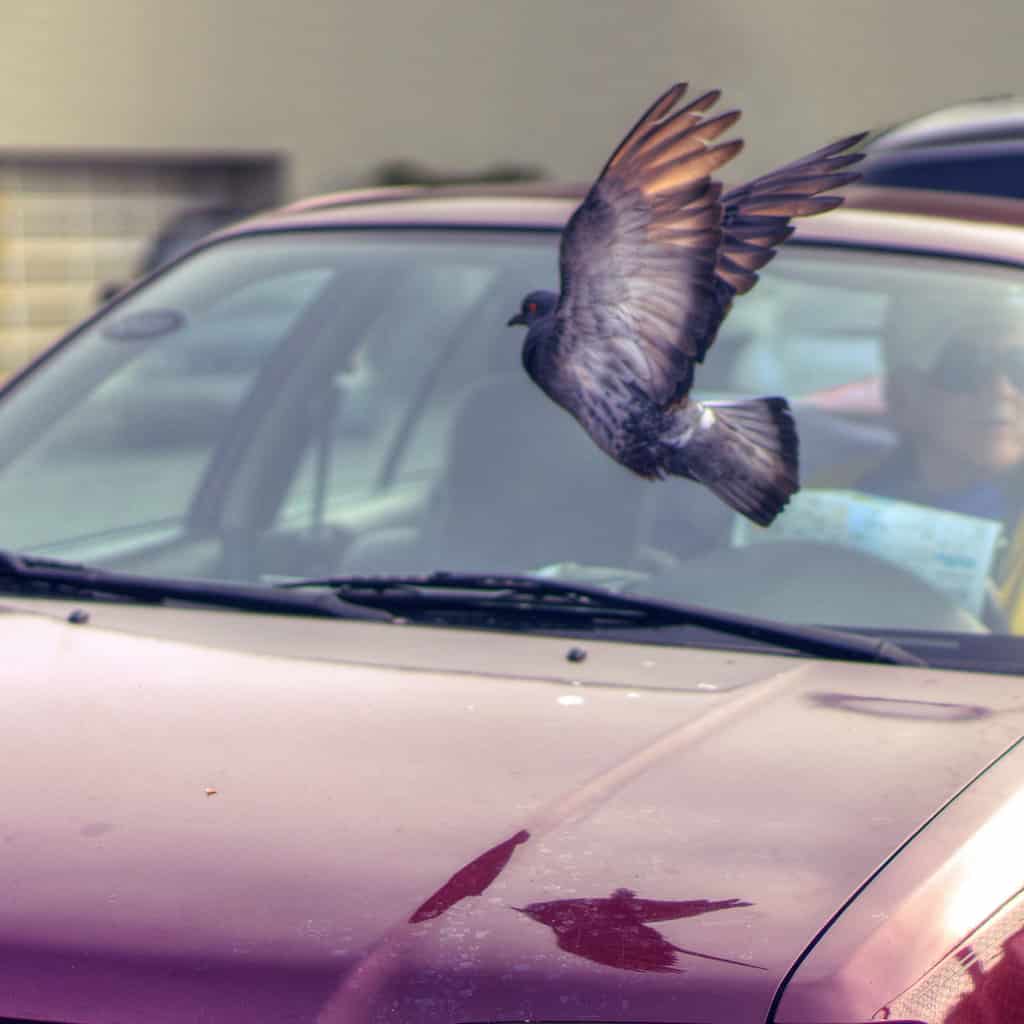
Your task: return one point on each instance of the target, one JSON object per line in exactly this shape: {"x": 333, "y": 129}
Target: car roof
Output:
{"x": 920, "y": 221}
{"x": 936, "y": 203}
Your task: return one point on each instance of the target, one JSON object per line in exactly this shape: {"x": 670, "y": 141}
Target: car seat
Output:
{"x": 523, "y": 487}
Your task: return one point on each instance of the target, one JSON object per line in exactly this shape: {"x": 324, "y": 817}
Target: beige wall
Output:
{"x": 466, "y": 83}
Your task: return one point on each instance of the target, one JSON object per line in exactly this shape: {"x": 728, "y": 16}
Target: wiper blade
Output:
{"x": 503, "y": 595}
{"x": 57, "y": 577}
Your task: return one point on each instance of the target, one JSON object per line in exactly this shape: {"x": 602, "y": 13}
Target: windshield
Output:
{"x": 329, "y": 403}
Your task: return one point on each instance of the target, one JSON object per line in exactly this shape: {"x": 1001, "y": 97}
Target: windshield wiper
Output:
{"x": 503, "y": 597}
{"x": 473, "y": 598}
{"x": 57, "y": 578}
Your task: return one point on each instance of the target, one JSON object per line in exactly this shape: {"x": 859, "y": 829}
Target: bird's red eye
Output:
{"x": 531, "y": 307}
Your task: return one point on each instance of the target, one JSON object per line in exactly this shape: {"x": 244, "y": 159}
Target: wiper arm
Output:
{"x": 60, "y": 577}
{"x": 526, "y": 595}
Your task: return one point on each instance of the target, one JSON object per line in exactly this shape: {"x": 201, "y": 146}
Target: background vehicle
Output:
{"x": 354, "y": 684}
{"x": 180, "y": 233}
{"x": 976, "y": 147}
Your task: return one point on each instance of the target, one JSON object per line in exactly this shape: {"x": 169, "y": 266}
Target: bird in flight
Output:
{"x": 650, "y": 262}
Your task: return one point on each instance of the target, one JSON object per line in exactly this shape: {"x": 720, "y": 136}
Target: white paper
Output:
{"x": 952, "y": 552}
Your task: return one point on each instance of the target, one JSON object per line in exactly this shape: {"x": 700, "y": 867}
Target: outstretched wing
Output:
{"x": 638, "y": 256}
{"x": 757, "y": 218}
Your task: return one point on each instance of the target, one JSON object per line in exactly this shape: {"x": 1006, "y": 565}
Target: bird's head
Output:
{"x": 535, "y": 306}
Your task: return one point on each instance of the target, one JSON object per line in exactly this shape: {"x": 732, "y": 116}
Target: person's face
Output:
{"x": 970, "y": 405}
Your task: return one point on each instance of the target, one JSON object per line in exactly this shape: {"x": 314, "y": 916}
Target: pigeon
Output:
{"x": 650, "y": 262}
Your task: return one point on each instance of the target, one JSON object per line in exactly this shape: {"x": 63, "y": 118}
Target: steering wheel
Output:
{"x": 824, "y": 584}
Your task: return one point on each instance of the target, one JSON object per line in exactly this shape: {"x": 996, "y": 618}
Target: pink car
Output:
{"x": 345, "y": 681}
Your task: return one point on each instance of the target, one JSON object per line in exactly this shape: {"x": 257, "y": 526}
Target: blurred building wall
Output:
{"x": 344, "y": 86}
{"x": 337, "y": 89}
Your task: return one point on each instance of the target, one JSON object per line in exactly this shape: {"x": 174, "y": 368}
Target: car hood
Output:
{"x": 210, "y": 816}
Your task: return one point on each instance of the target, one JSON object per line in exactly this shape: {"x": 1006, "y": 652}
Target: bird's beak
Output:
{"x": 517, "y": 321}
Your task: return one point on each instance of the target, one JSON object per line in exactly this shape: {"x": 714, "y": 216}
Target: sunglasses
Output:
{"x": 962, "y": 368}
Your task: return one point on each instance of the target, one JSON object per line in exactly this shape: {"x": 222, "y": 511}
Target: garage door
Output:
{"x": 72, "y": 224}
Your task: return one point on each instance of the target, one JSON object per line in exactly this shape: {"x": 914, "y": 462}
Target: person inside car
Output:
{"x": 954, "y": 389}
{"x": 958, "y": 407}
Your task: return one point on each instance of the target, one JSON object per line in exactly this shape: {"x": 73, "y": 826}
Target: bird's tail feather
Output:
{"x": 748, "y": 456}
